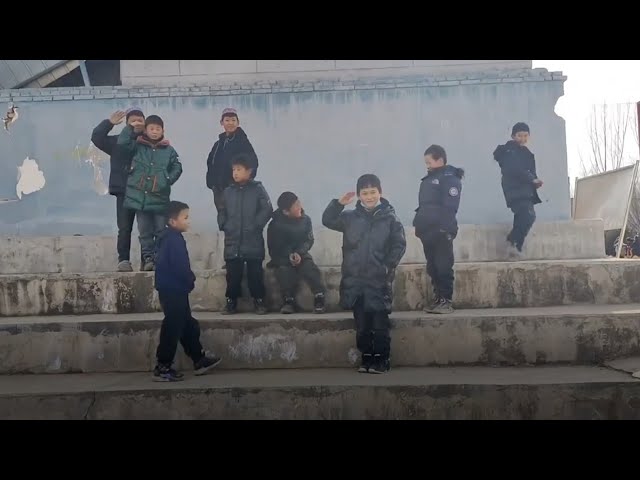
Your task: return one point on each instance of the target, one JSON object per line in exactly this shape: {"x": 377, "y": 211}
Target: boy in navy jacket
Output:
{"x": 174, "y": 281}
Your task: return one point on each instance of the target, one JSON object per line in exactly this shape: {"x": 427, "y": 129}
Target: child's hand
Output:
{"x": 347, "y": 198}
{"x": 538, "y": 183}
{"x": 117, "y": 117}
{"x": 295, "y": 259}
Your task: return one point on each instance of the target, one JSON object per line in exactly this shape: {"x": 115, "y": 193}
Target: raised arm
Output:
{"x": 100, "y": 137}
{"x": 127, "y": 139}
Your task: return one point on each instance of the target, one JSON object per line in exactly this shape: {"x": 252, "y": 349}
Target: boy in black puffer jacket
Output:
{"x": 520, "y": 183}
{"x": 246, "y": 211}
{"x": 373, "y": 243}
{"x": 289, "y": 238}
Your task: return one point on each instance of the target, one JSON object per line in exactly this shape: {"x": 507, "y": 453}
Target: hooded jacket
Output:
{"x": 438, "y": 202}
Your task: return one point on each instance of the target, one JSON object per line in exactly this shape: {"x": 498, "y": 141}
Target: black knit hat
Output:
{"x": 519, "y": 127}
{"x": 286, "y": 200}
{"x": 153, "y": 120}
{"x": 134, "y": 111}
{"x": 368, "y": 180}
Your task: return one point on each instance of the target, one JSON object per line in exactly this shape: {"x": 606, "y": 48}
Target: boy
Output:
{"x": 174, "y": 282}
{"x": 231, "y": 142}
{"x": 246, "y": 211}
{"x": 520, "y": 183}
{"x": 436, "y": 224}
{"x": 120, "y": 160}
{"x": 155, "y": 167}
{"x": 289, "y": 238}
{"x": 373, "y": 243}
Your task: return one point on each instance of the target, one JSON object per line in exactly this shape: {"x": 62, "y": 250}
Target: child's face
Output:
{"x": 241, "y": 174}
{"x": 137, "y": 123}
{"x": 295, "y": 211}
{"x": 522, "y": 138}
{"x": 181, "y": 222}
{"x": 432, "y": 163}
{"x": 154, "y": 132}
{"x": 369, "y": 196}
{"x": 230, "y": 124}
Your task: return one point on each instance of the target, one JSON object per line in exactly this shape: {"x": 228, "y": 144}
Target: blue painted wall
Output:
{"x": 313, "y": 143}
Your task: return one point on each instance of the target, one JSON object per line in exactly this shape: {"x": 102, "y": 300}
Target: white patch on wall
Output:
{"x": 98, "y": 161}
{"x": 30, "y": 178}
{"x": 264, "y": 347}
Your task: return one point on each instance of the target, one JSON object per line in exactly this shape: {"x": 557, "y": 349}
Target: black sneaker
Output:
{"x": 166, "y": 374}
{"x": 231, "y": 307}
{"x": 380, "y": 365}
{"x": 289, "y": 306}
{"x": 319, "y": 303}
{"x": 444, "y": 306}
{"x": 260, "y": 308}
{"x": 365, "y": 365}
{"x": 430, "y": 308}
{"x": 205, "y": 364}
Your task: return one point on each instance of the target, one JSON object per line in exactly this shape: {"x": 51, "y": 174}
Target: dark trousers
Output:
{"x": 255, "y": 276}
{"x": 124, "y": 218}
{"x": 438, "y": 250}
{"x": 289, "y": 278}
{"x": 218, "y": 199}
{"x": 150, "y": 227}
{"x": 178, "y": 325}
{"x": 524, "y": 216}
{"x": 372, "y": 331}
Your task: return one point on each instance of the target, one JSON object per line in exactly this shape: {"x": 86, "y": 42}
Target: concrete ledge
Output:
{"x": 477, "y": 285}
{"x": 127, "y": 343}
{"x": 552, "y": 393}
{"x": 475, "y": 243}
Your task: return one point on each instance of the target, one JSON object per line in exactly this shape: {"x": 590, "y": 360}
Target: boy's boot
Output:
{"x": 289, "y": 306}
{"x": 260, "y": 307}
{"x": 231, "y": 306}
{"x": 319, "y": 303}
{"x": 381, "y": 364}
{"x": 444, "y": 306}
{"x": 366, "y": 363}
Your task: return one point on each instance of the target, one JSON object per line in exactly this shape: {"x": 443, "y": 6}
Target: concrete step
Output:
{"x": 124, "y": 343}
{"x": 479, "y": 393}
{"x": 477, "y": 285}
{"x": 582, "y": 239}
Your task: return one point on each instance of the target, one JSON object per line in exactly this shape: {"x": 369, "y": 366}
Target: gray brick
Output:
{"x": 201, "y": 94}
{"x": 83, "y": 97}
{"x": 5, "y": 99}
{"x": 122, "y": 95}
{"x": 406, "y": 85}
{"x": 282, "y": 89}
{"x": 101, "y": 96}
{"x": 248, "y": 87}
{"x": 63, "y": 97}
{"x": 238, "y": 91}
{"x": 448, "y": 83}
{"x": 343, "y": 87}
{"x": 535, "y": 79}
{"x": 178, "y": 94}
{"x": 490, "y": 80}
{"x": 470, "y": 82}
{"x": 43, "y": 99}
{"x": 512, "y": 80}
{"x": 22, "y": 99}
{"x": 303, "y": 89}
{"x": 139, "y": 95}
{"x": 385, "y": 85}
{"x": 261, "y": 90}
{"x": 199, "y": 89}
{"x": 364, "y": 86}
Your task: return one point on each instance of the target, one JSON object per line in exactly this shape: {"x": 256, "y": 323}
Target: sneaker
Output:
{"x": 319, "y": 303}
{"x": 148, "y": 266}
{"x": 430, "y": 308}
{"x": 288, "y": 307}
{"x": 380, "y": 365}
{"x": 365, "y": 365}
{"x": 260, "y": 308}
{"x": 205, "y": 364}
{"x": 445, "y": 306}
{"x": 231, "y": 307}
{"x": 166, "y": 374}
{"x": 125, "y": 266}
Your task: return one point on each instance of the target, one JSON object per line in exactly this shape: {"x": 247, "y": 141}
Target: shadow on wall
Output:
{"x": 313, "y": 143}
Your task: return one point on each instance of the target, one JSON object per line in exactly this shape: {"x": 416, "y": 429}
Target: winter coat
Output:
{"x": 155, "y": 167}
{"x": 287, "y": 235}
{"x": 247, "y": 209}
{"x": 438, "y": 202}
{"x": 373, "y": 243}
{"x": 219, "y": 168}
{"x": 120, "y": 158}
{"x": 173, "y": 269}
{"x": 518, "y": 166}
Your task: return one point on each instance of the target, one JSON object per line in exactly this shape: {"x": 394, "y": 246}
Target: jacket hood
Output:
{"x": 250, "y": 182}
{"x": 458, "y": 172}
{"x": 385, "y": 208}
{"x": 502, "y": 150}
{"x": 239, "y": 133}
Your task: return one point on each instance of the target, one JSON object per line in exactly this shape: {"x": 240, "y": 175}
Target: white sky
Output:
{"x": 591, "y": 82}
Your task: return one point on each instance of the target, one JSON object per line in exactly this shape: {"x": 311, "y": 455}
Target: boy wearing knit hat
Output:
{"x": 520, "y": 183}
{"x": 120, "y": 160}
{"x": 154, "y": 169}
{"x": 289, "y": 239}
{"x": 231, "y": 142}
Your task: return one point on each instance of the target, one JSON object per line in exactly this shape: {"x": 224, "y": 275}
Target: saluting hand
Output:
{"x": 117, "y": 117}
{"x": 347, "y": 198}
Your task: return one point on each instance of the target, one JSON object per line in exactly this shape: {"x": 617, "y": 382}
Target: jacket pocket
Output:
{"x": 160, "y": 183}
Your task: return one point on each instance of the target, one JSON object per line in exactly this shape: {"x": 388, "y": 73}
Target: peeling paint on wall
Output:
{"x": 30, "y": 178}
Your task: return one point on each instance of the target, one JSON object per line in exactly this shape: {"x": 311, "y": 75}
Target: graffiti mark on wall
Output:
{"x": 98, "y": 160}
{"x": 30, "y": 178}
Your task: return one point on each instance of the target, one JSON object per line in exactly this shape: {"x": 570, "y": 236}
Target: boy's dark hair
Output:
{"x": 153, "y": 120}
{"x": 244, "y": 160}
{"x": 286, "y": 200}
{"x": 229, "y": 112}
{"x": 437, "y": 152}
{"x": 368, "y": 180}
{"x": 520, "y": 127}
{"x": 175, "y": 207}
